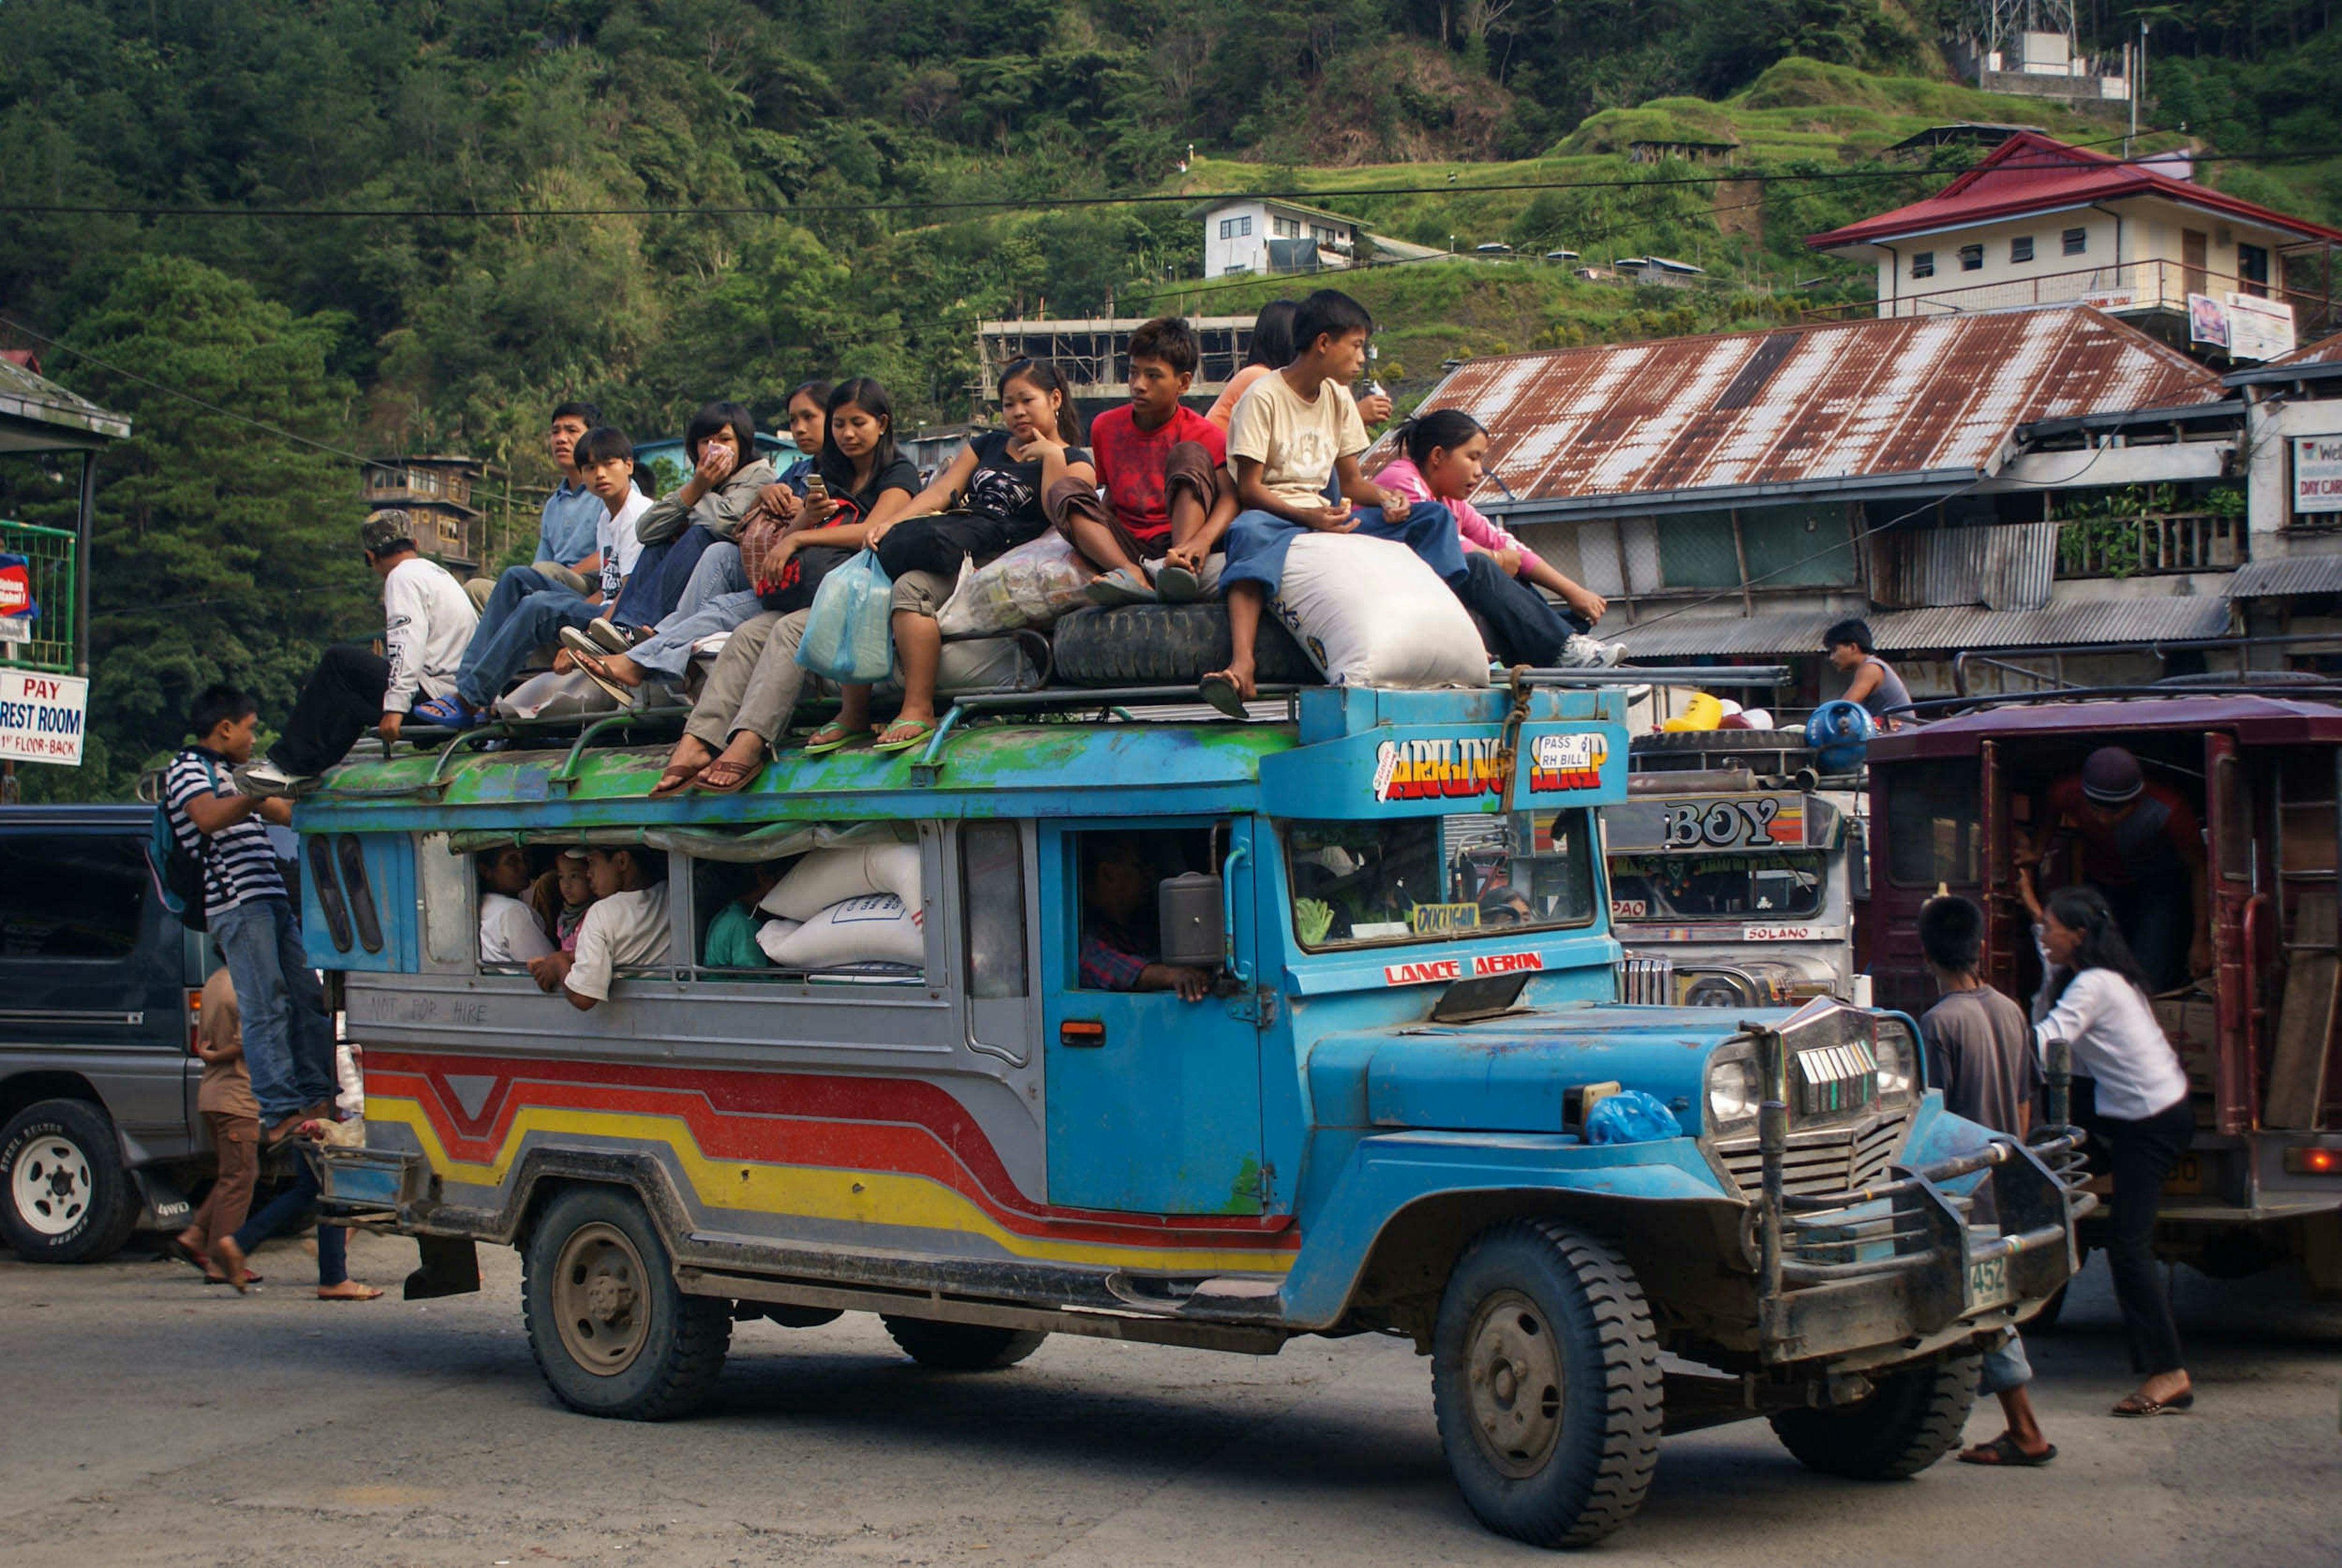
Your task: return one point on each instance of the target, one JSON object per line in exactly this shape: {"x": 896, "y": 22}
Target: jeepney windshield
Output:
{"x": 1766, "y": 886}
{"x": 1375, "y": 883}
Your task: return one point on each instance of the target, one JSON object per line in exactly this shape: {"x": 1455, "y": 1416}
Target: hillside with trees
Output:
{"x": 371, "y": 226}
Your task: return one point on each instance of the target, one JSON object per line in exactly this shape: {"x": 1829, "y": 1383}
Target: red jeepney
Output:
{"x": 2257, "y": 1035}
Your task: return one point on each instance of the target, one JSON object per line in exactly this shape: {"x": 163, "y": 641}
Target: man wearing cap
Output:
{"x": 2142, "y": 847}
{"x": 427, "y": 619}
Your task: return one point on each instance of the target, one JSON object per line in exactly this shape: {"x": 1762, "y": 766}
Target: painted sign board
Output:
{"x": 2318, "y": 474}
{"x": 41, "y": 717}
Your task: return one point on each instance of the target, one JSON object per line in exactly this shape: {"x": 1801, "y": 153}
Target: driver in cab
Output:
{"x": 1116, "y": 884}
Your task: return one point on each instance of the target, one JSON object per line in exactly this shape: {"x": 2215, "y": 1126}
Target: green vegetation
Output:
{"x": 814, "y": 152}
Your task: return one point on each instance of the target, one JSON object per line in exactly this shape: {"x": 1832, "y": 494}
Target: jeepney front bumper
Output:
{"x": 1909, "y": 1266}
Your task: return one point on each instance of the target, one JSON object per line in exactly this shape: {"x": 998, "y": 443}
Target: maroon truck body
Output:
{"x": 2260, "y": 1040}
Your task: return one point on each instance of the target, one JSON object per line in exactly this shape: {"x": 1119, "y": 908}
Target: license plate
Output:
{"x": 1988, "y": 1283}
{"x": 2187, "y": 1176}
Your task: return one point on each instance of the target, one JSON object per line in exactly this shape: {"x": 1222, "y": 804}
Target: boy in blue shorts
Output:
{"x": 1292, "y": 432}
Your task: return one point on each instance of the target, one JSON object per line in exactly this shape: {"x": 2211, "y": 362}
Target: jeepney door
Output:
{"x": 2006, "y": 928}
{"x": 1153, "y": 1102}
{"x": 2238, "y": 914}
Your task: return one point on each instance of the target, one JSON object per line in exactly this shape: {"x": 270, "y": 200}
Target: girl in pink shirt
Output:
{"x": 1445, "y": 449}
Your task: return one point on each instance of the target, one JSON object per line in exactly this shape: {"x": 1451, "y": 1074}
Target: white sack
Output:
{"x": 826, "y": 877}
{"x": 1369, "y": 613}
{"x": 878, "y": 928}
{"x": 554, "y": 696}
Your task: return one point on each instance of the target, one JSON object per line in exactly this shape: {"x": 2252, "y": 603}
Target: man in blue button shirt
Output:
{"x": 566, "y": 553}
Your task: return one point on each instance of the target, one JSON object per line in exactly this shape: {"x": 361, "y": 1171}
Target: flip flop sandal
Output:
{"x": 1177, "y": 585}
{"x": 370, "y": 1295}
{"x": 830, "y": 737}
{"x": 1122, "y": 587}
{"x": 679, "y": 777}
{"x": 588, "y": 656}
{"x": 2006, "y": 1453}
{"x": 1223, "y": 694}
{"x": 721, "y": 777}
{"x": 896, "y": 739}
{"x": 2139, "y": 1404}
{"x": 250, "y": 1279}
{"x": 194, "y": 1257}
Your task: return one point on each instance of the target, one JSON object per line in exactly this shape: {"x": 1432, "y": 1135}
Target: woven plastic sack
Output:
{"x": 1031, "y": 585}
{"x": 1631, "y": 1116}
{"x": 849, "y": 632}
{"x": 1369, "y": 613}
{"x": 875, "y": 929}
{"x": 828, "y": 876}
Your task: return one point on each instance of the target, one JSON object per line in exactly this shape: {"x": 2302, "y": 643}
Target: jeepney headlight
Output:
{"x": 1898, "y": 1063}
{"x": 1735, "y": 1088}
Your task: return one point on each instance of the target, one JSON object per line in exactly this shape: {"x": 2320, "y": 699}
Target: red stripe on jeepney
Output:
{"x": 898, "y": 1125}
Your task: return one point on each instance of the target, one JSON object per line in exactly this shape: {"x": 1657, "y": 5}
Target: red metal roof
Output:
{"x": 2031, "y": 172}
{"x": 1815, "y": 408}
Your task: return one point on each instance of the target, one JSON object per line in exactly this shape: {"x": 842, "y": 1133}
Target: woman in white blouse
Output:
{"x": 2094, "y": 997}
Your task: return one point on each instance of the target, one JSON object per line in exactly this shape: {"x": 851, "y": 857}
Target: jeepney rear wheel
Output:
{"x": 1545, "y": 1376}
{"x": 611, "y": 1331}
{"x": 1914, "y": 1419}
{"x": 961, "y": 1346}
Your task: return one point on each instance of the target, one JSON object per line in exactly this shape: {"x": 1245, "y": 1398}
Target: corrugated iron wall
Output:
{"x": 2001, "y": 566}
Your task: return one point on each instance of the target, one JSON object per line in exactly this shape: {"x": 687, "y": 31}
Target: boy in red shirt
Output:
{"x": 1163, "y": 469}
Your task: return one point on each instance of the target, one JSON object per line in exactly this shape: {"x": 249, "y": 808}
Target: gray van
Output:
{"x": 98, "y": 987}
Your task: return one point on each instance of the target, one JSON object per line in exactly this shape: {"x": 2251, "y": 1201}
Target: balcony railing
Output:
{"x": 2119, "y": 288}
{"x": 2150, "y": 545}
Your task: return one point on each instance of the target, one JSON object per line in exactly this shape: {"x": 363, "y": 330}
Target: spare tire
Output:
{"x": 1720, "y": 740}
{"x": 1169, "y": 645}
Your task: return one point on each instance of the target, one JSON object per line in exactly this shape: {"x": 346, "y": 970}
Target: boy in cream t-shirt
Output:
{"x": 627, "y": 925}
{"x": 1293, "y": 432}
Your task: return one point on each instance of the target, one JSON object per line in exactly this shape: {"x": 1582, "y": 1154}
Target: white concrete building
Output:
{"x": 1263, "y": 234}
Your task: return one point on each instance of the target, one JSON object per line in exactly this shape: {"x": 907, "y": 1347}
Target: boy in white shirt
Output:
{"x": 526, "y": 612}
{"x": 627, "y": 925}
{"x": 509, "y": 932}
{"x": 427, "y": 621}
{"x": 1293, "y": 430}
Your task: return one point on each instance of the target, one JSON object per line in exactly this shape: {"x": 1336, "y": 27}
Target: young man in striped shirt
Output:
{"x": 288, "y": 1043}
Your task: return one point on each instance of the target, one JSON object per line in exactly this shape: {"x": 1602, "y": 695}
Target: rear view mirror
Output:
{"x": 1187, "y": 910}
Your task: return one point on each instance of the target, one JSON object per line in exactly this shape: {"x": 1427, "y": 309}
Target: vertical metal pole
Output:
{"x": 2057, "y": 1068}
{"x": 88, "y": 511}
{"x": 1772, "y": 1144}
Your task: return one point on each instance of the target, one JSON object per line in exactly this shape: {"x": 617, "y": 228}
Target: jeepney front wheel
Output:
{"x": 610, "y": 1330}
{"x": 1544, "y": 1374}
{"x": 1913, "y": 1419}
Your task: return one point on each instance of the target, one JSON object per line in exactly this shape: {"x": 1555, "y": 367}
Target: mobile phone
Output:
{"x": 815, "y": 490}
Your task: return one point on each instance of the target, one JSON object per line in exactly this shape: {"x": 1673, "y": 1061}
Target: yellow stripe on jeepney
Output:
{"x": 814, "y": 1192}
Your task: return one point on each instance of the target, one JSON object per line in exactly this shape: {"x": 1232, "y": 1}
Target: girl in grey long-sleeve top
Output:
{"x": 725, "y": 476}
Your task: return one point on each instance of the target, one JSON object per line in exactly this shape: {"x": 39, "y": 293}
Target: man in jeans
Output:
{"x": 287, "y": 1043}
{"x": 1980, "y": 1048}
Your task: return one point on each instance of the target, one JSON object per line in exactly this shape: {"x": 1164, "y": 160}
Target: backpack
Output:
{"x": 178, "y": 871}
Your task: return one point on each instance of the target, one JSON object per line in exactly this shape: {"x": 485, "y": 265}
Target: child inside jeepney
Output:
{"x": 731, "y": 941}
{"x": 560, "y": 897}
{"x": 984, "y": 502}
{"x": 1118, "y": 887}
{"x": 509, "y": 929}
{"x": 626, "y": 927}
{"x": 1442, "y": 462}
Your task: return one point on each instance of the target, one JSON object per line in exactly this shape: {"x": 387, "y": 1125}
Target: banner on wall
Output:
{"x": 41, "y": 717}
{"x": 2318, "y": 474}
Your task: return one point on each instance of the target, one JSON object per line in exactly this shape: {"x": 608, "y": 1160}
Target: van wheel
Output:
{"x": 67, "y": 1199}
{"x": 1545, "y": 1374}
{"x": 961, "y": 1346}
{"x": 1912, "y": 1421}
{"x": 610, "y": 1329}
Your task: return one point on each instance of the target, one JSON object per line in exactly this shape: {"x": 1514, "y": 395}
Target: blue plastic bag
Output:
{"x": 849, "y": 631}
{"x": 1630, "y": 1116}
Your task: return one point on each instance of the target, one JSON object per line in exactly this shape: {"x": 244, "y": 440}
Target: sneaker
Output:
{"x": 263, "y": 779}
{"x": 609, "y": 637}
{"x": 1580, "y": 652}
{"x": 1122, "y": 587}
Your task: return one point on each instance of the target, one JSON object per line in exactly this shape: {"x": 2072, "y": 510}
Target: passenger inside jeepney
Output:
{"x": 1121, "y": 945}
{"x": 728, "y": 897}
{"x": 510, "y": 931}
{"x": 2138, "y": 840}
{"x": 627, "y": 927}
{"x": 1377, "y": 882}
{"x": 1688, "y": 887}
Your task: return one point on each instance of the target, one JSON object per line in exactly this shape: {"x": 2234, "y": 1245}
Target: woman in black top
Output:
{"x": 986, "y": 500}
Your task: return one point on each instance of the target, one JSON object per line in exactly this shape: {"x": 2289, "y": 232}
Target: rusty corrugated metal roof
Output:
{"x": 2320, "y": 361}
{"x": 2104, "y": 623}
{"x": 2318, "y": 574}
{"x": 1896, "y": 402}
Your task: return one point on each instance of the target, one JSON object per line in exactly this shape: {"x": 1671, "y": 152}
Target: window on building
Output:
{"x": 1923, "y": 263}
{"x": 1244, "y": 226}
{"x": 2075, "y": 241}
{"x": 1235, "y": 271}
{"x": 71, "y": 895}
{"x": 2020, "y": 249}
{"x": 2252, "y": 270}
{"x": 1972, "y": 258}
{"x": 1227, "y": 228}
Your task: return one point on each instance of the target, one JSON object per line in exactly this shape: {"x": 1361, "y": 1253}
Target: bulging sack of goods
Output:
{"x": 824, "y": 876}
{"x": 1369, "y": 613}
{"x": 1031, "y": 585}
{"x": 877, "y": 928}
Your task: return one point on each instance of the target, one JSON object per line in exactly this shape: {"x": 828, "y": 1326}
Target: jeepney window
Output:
{"x": 446, "y": 882}
{"x": 992, "y": 901}
{"x": 1934, "y": 823}
{"x": 1713, "y": 886}
{"x": 1122, "y": 871}
{"x": 1373, "y": 884}
{"x": 841, "y": 914}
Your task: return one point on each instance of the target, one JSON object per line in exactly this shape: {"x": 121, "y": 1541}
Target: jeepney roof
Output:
{"x": 2255, "y": 720}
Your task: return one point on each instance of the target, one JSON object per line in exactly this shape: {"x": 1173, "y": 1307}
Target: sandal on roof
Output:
{"x": 831, "y": 736}
{"x": 725, "y": 776}
{"x": 904, "y": 735}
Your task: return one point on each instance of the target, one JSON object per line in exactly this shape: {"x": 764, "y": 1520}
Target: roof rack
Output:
{"x": 2323, "y": 691}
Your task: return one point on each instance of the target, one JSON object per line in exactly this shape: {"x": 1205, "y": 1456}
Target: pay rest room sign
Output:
{"x": 41, "y": 717}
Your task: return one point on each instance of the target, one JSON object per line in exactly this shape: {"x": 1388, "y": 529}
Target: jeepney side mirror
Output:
{"x": 1187, "y": 910}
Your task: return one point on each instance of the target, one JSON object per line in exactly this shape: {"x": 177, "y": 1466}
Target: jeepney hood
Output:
{"x": 1509, "y": 1074}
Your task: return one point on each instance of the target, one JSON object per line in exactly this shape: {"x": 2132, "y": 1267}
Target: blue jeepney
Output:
{"x": 1396, "y": 1108}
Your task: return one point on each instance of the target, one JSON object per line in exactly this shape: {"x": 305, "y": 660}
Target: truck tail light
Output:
{"x": 194, "y": 1017}
{"x": 2311, "y": 1160}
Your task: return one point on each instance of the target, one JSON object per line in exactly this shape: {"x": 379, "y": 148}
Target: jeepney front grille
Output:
{"x": 1822, "y": 1159}
{"x": 1646, "y": 980}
